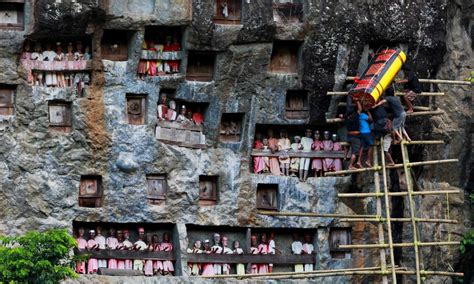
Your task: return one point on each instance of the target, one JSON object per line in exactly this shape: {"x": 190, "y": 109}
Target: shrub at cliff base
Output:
{"x": 37, "y": 257}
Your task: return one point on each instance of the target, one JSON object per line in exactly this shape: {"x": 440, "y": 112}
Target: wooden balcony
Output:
{"x": 81, "y": 65}
{"x": 183, "y": 135}
{"x": 162, "y": 55}
{"x": 251, "y": 258}
{"x": 300, "y": 154}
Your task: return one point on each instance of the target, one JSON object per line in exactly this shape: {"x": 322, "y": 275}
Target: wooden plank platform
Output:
{"x": 251, "y": 258}
{"x": 128, "y": 254}
{"x": 300, "y": 154}
{"x": 119, "y": 272}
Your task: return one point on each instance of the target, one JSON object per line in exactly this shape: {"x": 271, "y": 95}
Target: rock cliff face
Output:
{"x": 40, "y": 171}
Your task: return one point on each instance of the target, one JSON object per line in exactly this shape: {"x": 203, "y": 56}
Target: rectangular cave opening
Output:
{"x": 60, "y": 116}
{"x": 136, "y": 109}
{"x": 267, "y": 196}
{"x": 228, "y": 12}
{"x": 340, "y": 236}
{"x": 208, "y": 190}
{"x": 231, "y": 127}
{"x": 297, "y": 104}
{"x": 288, "y": 11}
{"x": 284, "y": 59}
{"x": 115, "y": 43}
{"x": 287, "y": 150}
{"x": 161, "y": 53}
{"x": 7, "y": 99}
{"x": 124, "y": 246}
{"x": 157, "y": 188}
{"x": 286, "y": 248}
{"x": 12, "y": 14}
{"x": 90, "y": 191}
{"x": 62, "y": 62}
{"x": 200, "y": 66}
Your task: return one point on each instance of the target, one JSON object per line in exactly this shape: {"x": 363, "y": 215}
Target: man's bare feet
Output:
{"x": 369, "y": 165}
{"x": 358, "y": 166}
{"x": 409, "y": 111}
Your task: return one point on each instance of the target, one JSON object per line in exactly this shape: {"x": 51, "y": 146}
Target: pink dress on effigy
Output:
{"x": 81, "y": 266}
{"x": 263, "y": 267}
{"x": 152, "y": 64}
{"x": 157, "y": 264}
{"x": 273, "y": 163}
{"x": 128, "y": 262}
{"x": 258, "y": 162}
{"x": 27, "y": 63}
{"x": 112, "y": 243}
{"x": 121, "y": 262}
{"x": 92, "y": 264}
{"x": 149, "y": 263}
{"x": 208, "y": 268}
{"x": 337, "y": 162}
{"x": 317, "y": 164}
{"x": 328, "y": 162}
{"x": 167, "y": 264}
{"x": 254, "y": 266}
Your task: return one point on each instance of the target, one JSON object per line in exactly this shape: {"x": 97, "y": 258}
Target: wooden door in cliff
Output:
{"x": 60, "y": 116}
{"x": 207, "y": 190}
{"x": 6, "y": 101}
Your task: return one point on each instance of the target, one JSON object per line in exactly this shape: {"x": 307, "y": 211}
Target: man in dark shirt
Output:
{"x": 412, "y": 87}
{"x": 353, "y": 111}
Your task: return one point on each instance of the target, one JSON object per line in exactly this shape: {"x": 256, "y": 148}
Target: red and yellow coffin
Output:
{"x": 378, "y": 76}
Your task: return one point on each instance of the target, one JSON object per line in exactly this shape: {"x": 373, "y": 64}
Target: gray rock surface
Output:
{"x": 40, "y": 171}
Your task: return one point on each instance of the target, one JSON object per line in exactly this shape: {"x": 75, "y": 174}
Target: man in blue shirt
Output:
{"x": 366, "y": 138}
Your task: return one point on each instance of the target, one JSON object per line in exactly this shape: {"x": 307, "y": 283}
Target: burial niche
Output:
{"x": 7, "y": 98}
{"x": 297, "y": 105}
{"x": 288, "y": 11}
{"x": 114, "y": 45}
{"x": 11, "y": 14}
{"x": 161, "y": 52}
{"x": 231, "y": 127}
{"x": 227, "y": 12}
{"x": 285, "y": 57}
{"x": 156, "y": 188}
{"x": 90, "y": 191}
{"x": 339, "y": 236}
{"x": 267, "y": 196}
{"x": 200, "y": 66}
{"x": 59, "y": 115}
{"x": 208, "y": 190}
{"x": 136, "y": 109}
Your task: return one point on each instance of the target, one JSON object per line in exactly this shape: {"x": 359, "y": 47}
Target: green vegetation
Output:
{"x": 37, "y": 257}
{"x": 467, "y": 241}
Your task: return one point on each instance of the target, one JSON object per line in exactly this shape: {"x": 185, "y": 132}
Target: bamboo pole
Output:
{"x": 387, "y": 212}
{"x": 397, "y": 93}
{"x": 421, "y": 108}
{"x": 383, "y": 260}
{"x": 421, "y": 113}
{"x": 434, "y": 81}
{"x": 403, "y": 193}
{"x": 326, "y": 273}
{"x": 334, "y": 120}
{"x": 291, "y": 273}
{"x": 406, "y": 169}
{"x": 381, "y": 220}
{"x": 308, "y": 214}
{"x": 398, "y": 245}
{"x": 397, "y": 166}
{"x": 424, "y": 142}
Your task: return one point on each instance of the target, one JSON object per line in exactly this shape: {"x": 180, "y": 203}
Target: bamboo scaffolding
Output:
{"x": 397, "y": 93}
{"x": 310, "y": 214}
{"x": 399, "y": 245}
{"x": 421, "y": 108}
{"x": 383, "y": 261}
{"x": 433, "y": 81}
{"x": 381, "y": 220}
{"x": 403, "y": 193}
{"x": 423, "y": 142}
{"x": 397, "y": 166}
{"x": 409, "y": 183}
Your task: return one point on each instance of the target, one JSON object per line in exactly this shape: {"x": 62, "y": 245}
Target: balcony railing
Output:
{"x": 300, "y": 154}
{"x": 162, "y": 55}
{"x": 184, "y": 135}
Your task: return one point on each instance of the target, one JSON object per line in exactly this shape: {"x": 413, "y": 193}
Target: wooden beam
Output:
{"x": 421, "y": 113}
{"x": 309, "y": 214}
{"x": 250, "y": 258}
{"x": 400, "y": 245}
{"x": 402, "y": 193}
{"x": 423, "y": 142}
{"x": 397, "y": 93}
{"x": 119, "y": 272}
{"x": 380, "y": 220}
{"x": 128, "y": 254}
{"x": 397, "y": 166}
{"x": 300, "y": 154}
{"x": 431, "y": 81}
